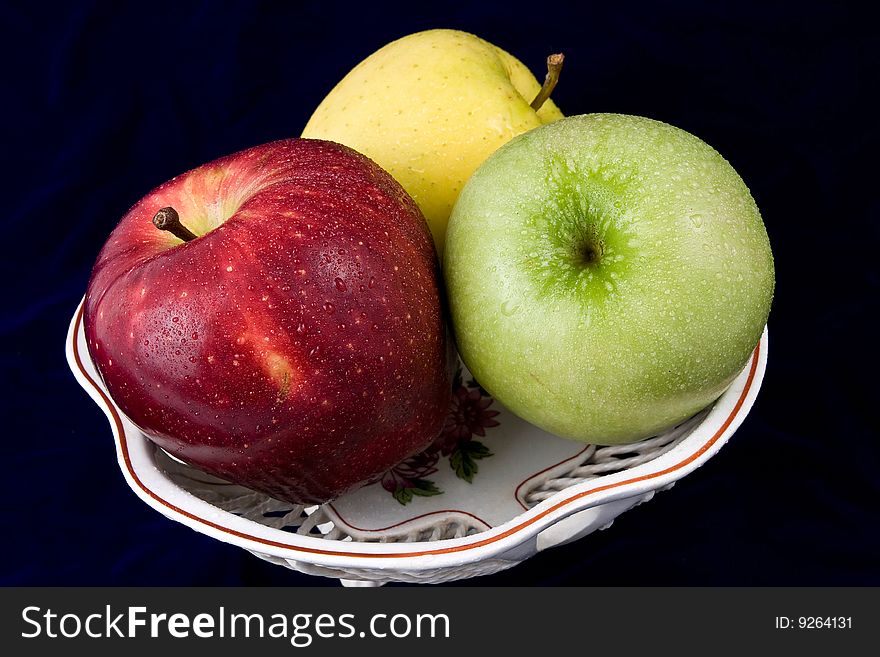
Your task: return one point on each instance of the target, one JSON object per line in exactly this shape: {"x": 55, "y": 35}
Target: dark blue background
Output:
{"x": 104, "y": 101}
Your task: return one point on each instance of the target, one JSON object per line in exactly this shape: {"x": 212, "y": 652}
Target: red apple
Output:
{"x": 295, "y": 344}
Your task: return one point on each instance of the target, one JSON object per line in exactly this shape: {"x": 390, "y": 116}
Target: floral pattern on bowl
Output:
{"x": 469, "y": 415}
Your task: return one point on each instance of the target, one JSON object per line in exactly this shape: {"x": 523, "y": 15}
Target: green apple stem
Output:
{"x": 554, "y": 68}
{"x": 168, "y": 219}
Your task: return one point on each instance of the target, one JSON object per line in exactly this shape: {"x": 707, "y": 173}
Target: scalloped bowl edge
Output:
{"x": 511, "y": 540}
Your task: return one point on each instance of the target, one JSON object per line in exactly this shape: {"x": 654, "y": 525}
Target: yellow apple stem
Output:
{"x": 554, "y": 68}
{"x": 168, "y": 219}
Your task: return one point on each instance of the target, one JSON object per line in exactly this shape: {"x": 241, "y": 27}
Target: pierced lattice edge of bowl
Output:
{"x": 138, "y": 464}
{"x": 318, "y": 522}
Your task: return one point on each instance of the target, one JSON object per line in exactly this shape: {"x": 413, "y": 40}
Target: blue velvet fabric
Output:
{"x": 103, "y": 101}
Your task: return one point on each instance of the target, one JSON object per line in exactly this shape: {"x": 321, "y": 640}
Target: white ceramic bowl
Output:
{"x": 532, "y": 491}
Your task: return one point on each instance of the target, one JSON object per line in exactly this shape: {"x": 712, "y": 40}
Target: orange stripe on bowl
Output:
{"x": 120, "y": 431}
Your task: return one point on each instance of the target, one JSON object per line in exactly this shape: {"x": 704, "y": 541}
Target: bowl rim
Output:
{"x": 138, "y": 466}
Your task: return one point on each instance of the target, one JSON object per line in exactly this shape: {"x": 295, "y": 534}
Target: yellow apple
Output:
{"x": 430, "y": 108}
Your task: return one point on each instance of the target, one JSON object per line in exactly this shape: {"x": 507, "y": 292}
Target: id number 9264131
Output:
{"x": 814, "y": 622}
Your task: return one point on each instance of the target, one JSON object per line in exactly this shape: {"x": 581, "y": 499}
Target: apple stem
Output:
{"x": 168, "y": 219}
{"x": 554, "y": 68}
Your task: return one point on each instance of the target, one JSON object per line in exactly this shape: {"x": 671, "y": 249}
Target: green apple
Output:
{"x": 430, "y": 108}
{"x": 608, "y": 276}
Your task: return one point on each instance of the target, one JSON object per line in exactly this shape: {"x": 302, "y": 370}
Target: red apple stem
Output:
{"x": 168, "y": 219}
{"x": 554, "y": 68}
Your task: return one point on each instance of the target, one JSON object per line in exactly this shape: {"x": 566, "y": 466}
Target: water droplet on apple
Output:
{"x": 175, "y": 319}
{"x": 192, "y": 359}
{"x": 509, "y": 308}
{"x": 314, "y": 352}
{"x": 381, "y": 359}
{"x": 340, "y": 284}
{"x": 301, "y": 329}
{"x": 696, "y": 220}
{"x": 371, "y": 283}
{"x": 328, "y": 308}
